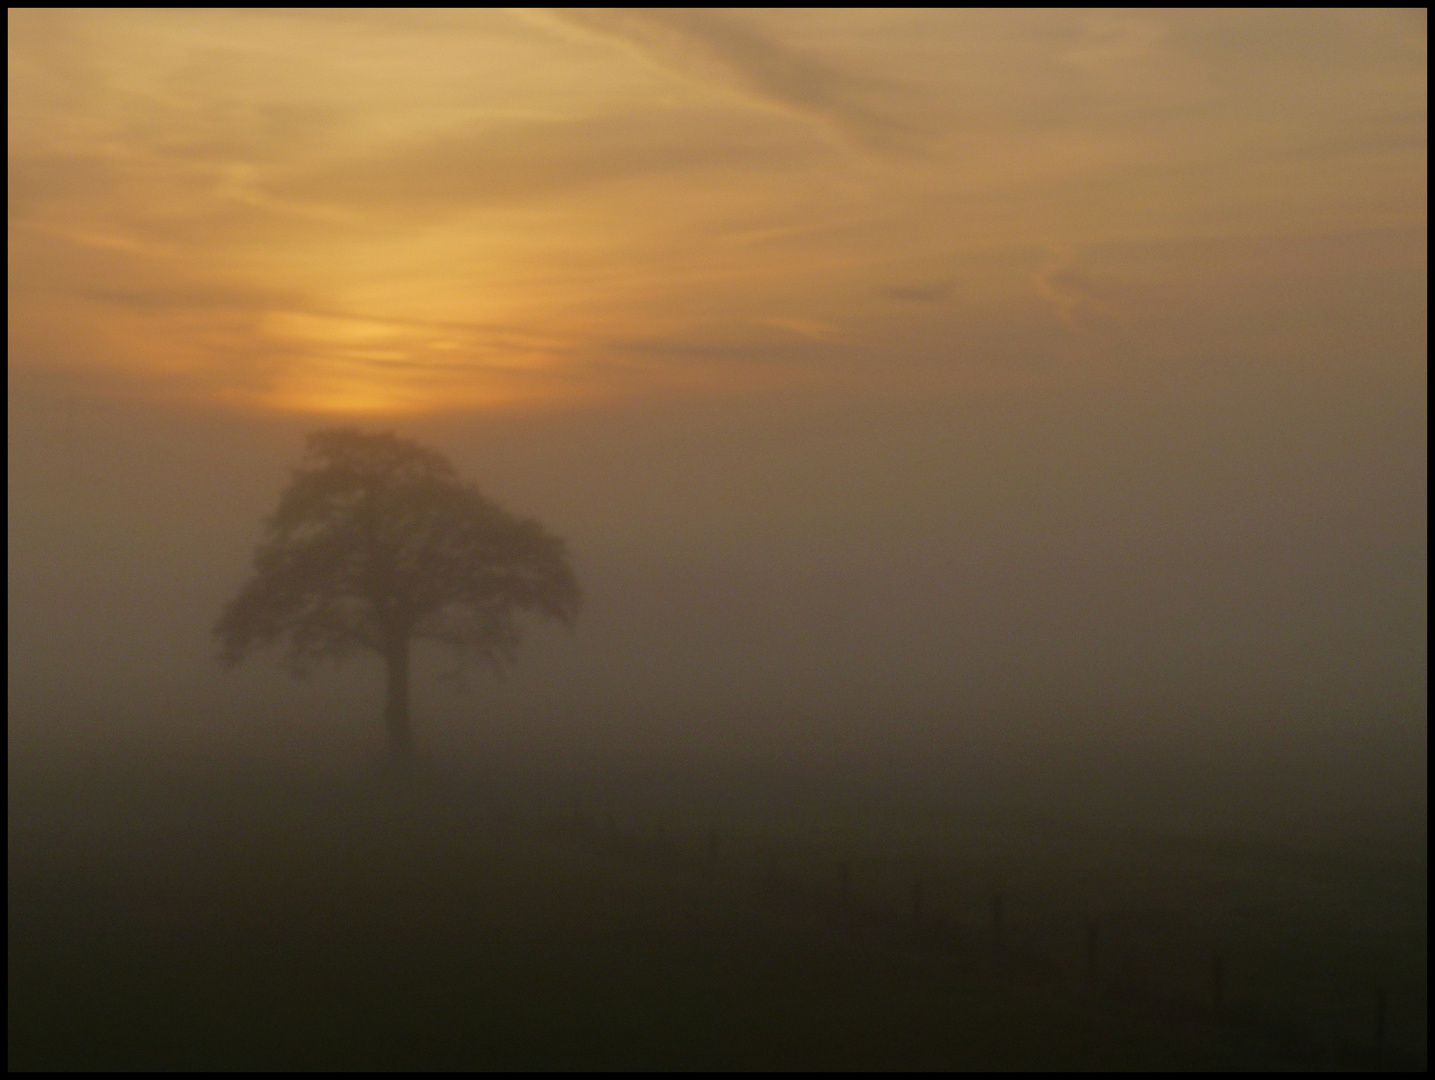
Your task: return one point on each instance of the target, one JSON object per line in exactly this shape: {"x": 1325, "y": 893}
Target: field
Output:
{"x": 264, "y": 918}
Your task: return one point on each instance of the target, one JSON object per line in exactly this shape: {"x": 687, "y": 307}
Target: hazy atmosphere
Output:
{"x": 1019, "y": 407}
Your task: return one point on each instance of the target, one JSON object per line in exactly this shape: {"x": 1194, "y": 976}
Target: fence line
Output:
{"x": 1153, "y": 960}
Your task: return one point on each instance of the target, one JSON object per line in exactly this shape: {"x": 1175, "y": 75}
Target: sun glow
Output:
{"x": 407, "y": 212}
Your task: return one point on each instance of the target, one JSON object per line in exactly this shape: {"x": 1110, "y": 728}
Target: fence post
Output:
{"x": 1379, "y": 1041}
{"x": 1218, "y": 980}
{"x": 1093, "y": 933}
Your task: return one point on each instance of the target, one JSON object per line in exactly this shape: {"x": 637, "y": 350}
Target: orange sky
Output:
{"x": 388, "y": 211}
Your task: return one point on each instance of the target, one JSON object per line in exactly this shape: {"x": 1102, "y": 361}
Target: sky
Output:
{"x": 922, "y": 378}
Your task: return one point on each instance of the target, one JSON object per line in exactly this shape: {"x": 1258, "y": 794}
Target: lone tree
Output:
{"x": 377, "y": 544}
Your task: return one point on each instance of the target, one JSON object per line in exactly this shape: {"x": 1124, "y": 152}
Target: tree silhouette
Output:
{"x": 377, "y": 544}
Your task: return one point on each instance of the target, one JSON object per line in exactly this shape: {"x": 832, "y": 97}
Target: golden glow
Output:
{"x": 393, "y": 210}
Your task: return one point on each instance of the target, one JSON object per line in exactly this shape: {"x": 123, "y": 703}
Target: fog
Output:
{"x": 1209, "y": 597}
{"x": 1043, "y": 622}
{"x": 1044, "y": 618}
{"x": 991, "y": 447}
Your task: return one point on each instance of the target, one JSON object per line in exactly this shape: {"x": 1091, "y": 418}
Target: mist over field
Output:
{"x": 1212, "y": 609}
{"x": 978, "y": 637}
{"x": 991, "y": 447}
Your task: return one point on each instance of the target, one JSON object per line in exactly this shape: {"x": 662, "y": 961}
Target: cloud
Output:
{"x": 812, "y": 329}
{"x": 548, "y": 189}
{"x": 713, "y": 46}
{"x": 1082, "y": 302}
{"x": 191, "y": 297}
{"x": 519, "y": 162}
{"x": 935, "y": 293}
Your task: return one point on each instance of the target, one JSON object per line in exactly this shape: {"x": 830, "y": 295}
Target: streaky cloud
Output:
{"x": 713, "y": 45}
{"x": 522, "y": 162}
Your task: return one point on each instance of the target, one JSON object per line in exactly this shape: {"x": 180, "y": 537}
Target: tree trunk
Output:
{"x": 396, "y": 708}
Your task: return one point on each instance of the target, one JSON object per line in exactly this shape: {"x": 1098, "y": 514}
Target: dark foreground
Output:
{"x": 176, "y": 921}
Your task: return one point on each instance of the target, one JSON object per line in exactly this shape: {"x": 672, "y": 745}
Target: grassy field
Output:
{"x": 265, "y": 919}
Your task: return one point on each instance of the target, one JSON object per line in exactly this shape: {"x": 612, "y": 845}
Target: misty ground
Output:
{"x": 252, "y": 916}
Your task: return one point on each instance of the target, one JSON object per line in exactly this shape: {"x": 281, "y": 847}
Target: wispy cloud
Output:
{"x": 519, "y": 162}
{"x": 715, "y": 46}
{"x": 812, "y": 329}
{"x": 1081, "y": 300}
{"x": 288, "y": 203}
{"x": 938, "y": 292}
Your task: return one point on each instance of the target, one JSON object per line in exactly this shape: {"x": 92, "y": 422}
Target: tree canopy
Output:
{"x": 376, "y": 543}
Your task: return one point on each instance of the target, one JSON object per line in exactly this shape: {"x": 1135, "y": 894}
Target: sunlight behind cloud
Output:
{"x": 403, "y": 210}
